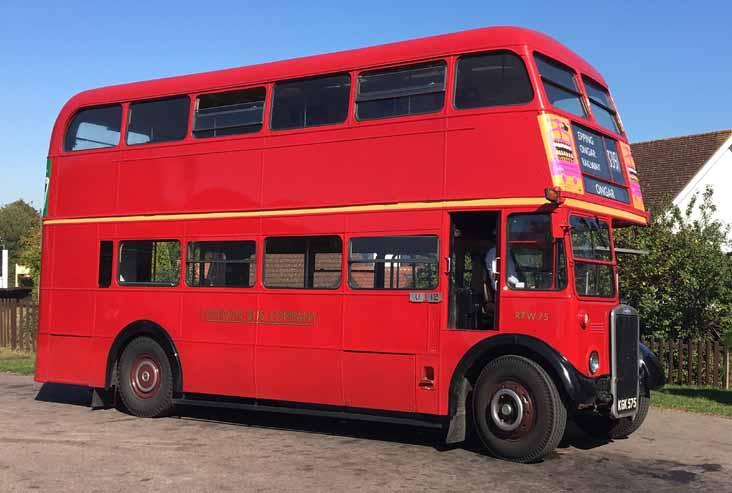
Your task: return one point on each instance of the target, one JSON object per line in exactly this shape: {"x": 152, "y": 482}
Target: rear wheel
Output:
{"x": 518, "y": 412}
{"x": 145, "y": 379}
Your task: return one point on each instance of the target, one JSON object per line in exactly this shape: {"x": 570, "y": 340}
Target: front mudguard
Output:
{"x": 650, "y": 369}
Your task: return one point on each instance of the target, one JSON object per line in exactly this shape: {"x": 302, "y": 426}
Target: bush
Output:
{"x": 683, "y": 288}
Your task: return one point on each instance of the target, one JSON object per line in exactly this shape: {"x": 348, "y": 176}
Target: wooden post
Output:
{"x": 2, "y": 323}
{"x": 680, "y": 347}
{"x": 689, "y": 363}
{"x": 34, "y": 339}
{"x": 699, "y": 362}
{"x": 726, "y": 368}
{"x": 710, "y": 364}
{"x": 715, "y": 365}
{"x": 661, "y": 355}
{"x": 14, "y": 325}
{"x": 670, "y": 360}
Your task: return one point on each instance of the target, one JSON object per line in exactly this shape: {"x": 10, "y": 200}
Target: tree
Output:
{"x": 683, "y": 288}
{"x": 29, "y": 253}
{"x": 17, "y": 219}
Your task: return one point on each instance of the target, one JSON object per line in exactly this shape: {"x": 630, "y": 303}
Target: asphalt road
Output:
{"x": 50, "y": 440}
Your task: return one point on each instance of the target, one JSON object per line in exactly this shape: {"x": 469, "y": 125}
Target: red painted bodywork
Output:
{"x": 367, "y": 349}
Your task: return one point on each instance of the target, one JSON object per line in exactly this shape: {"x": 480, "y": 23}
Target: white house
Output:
{"x": 678, "y": 167}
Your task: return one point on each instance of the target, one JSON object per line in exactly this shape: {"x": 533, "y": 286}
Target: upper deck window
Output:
{"x": 401, "y": 91}
{"x": 602, "y": 107}
{"x": 560, "y": 85}
{"x": 162, "y": 120}
{"x": 310, "y": 102}
{"x": 491, "y": 79}
{"x": 94, "y": 128}
{"x": 229, "y": 113}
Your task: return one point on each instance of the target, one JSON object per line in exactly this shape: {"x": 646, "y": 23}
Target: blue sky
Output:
{"x": 669, "y": 64}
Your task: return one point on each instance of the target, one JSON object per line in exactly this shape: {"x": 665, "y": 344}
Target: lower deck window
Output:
{"x": 149, "y": 262}
{"x": 303, "y": 262}
{"x": 221, "y": 264}
{"x": 393, "y": 262}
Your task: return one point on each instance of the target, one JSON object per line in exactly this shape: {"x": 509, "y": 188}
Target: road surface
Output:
{"x": 50, "y": 440}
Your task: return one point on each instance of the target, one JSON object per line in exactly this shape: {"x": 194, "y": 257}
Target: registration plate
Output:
{"x": 629, "y": 404}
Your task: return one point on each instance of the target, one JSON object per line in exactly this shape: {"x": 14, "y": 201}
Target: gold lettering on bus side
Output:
{"x": 257, "y": 317}
{"x": 532, "y": 316}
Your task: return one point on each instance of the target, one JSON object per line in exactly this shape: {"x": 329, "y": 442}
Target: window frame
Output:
{"x": 304, "y": 288}
{"x": 503, "y": 273}
{"x": 188, "y": 120}
{"x": 186, "y": 261}
{"x": 148, "y": 284}
{"x": 577, "y": 90}
{"x": 586, "y": 80}
{"x": 349, "y": 262}
{"x": 269, "y": 108}
{"x": 456, "y": 62}
{"x": 357, "y": 89}
{"x": 266, "y": 87}
{"x": 612, "y": 263}
{"x": 122, "y": 128}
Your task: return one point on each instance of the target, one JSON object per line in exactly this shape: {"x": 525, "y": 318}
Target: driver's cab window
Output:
{"x": 534, "y": 259}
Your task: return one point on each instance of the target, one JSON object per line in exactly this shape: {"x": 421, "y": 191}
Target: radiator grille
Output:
{"x": 625, "y": 360}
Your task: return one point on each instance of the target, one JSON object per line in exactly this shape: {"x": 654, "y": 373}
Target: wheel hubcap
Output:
{"x": 511, "y": 410}
{"x": 145, "y": 377}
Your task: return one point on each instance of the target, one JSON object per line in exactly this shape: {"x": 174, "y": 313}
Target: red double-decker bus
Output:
{"x": 412, "y": 232}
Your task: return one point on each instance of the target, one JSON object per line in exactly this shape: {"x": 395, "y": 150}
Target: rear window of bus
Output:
{"x": 94, "y": 128}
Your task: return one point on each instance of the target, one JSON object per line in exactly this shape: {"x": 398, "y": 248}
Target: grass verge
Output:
{"x": 17, "y": 362}
{"x": 694, "y": 399}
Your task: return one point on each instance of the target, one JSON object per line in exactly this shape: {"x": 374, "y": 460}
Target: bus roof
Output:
{"x": 386, "y": 54}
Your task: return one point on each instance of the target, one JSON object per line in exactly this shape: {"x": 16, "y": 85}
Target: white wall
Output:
{"x": 3, "y": 269}
{"x": 717, "y": 172}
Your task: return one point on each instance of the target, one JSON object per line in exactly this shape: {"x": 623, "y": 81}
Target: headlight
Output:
{"x": 594, "y": 362}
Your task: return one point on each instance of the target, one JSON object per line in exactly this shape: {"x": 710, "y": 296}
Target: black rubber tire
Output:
{"x": 550, "y": 414}
{"x": 623, "y": 428}
{"x": 602, "y": 426}
{"x": 158, "y": 403}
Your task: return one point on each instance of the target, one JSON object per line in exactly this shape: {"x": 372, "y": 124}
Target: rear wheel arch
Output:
{"x": 144, "y": 328}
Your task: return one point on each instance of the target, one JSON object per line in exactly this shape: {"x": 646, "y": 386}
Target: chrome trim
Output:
{"x": 620, "y": 310}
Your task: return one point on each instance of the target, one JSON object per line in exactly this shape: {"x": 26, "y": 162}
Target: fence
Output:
{"x": 693, "y": 362}
{"x": 18, "y": 324}
{"x": 683, "y": 362}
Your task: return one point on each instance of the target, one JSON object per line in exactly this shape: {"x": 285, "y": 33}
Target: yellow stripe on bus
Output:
{"x": 515, "y": 202}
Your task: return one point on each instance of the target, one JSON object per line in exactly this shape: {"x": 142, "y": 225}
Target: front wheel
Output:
{"x": 518, "y": 412}
{"x": 145, "y": 379}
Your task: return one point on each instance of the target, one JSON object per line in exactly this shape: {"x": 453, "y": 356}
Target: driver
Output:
{"x": 491, "y": 265}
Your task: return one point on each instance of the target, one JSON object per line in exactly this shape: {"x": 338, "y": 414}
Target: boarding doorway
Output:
{"x": 474, "y": 254}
